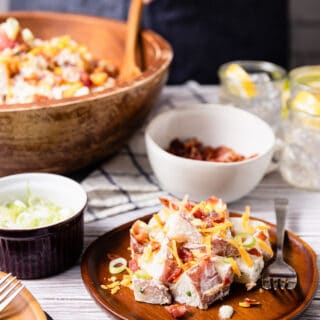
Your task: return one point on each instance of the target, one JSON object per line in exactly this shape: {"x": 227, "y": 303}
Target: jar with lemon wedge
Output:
{"x": 300, "y": 158}
{"x": 255, "y": 86}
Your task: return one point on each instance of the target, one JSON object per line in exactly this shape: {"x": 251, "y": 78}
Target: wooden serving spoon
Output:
{"x": 129, "y": 68}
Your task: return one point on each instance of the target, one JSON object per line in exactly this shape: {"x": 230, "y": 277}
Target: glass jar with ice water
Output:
{"x": 300, "y": 158}
{"x": 255, "y": 86}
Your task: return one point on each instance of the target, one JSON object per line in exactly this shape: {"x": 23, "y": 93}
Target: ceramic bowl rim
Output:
{"x": 51, "y": 227}
{"x": 206, "y": 108}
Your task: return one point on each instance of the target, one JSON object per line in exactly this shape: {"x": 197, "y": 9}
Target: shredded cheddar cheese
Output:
{"x": 234, "y": 266}
{"x": 166, "y": 212}
{"x": 218, "y": 228}
{"x": 264, "y": 246}
{"x": 207, "y": 242}
{"x": 147, "y": 253}
{"x": 244, "y": 254}
{"x": 158, "y": 220}
{"x": 115, "y": 290}
{"x": 174, "y": 252}
{"x": 263, "y": 227}
{"x": 129, "y": 271}
{"x": 113, "y": 284}
{"x": 233, "y": 243}
{"x": 209, "y": 207}
{"x": 126, "y": 281}
{"x": 245, "y": 221}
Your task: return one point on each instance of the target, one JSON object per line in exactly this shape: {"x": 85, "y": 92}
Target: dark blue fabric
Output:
{"x": 203, "y": 33}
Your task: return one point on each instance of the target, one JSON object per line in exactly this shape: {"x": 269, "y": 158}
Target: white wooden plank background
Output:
{"x": 64, "y": 296}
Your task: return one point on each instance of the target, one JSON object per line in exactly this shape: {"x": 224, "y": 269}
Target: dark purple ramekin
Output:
{"x": 44, "y": 251}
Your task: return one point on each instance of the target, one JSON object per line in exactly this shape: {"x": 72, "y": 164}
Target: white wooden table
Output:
{"x": 64, "y": 296}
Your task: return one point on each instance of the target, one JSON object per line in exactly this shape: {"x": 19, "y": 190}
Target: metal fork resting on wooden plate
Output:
{"x": 279, "y": 274}
{"x": 10, "y": 287}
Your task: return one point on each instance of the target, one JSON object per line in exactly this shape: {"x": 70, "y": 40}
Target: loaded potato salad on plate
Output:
{"x": 190, "y": 253}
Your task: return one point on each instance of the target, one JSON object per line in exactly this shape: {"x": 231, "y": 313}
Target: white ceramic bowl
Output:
{"x": 214, "y": 125}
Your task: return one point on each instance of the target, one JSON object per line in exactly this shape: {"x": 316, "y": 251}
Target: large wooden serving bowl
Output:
{"x": 69, "y": 134}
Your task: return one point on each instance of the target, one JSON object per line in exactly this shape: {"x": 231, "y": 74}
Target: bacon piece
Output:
{"x": 133, "y": 265}
{"x": 5, "y": 41}
{"x": 85, "y": 79}
{"x": 136, "y": 246}
{"x": 155, "y": 245}
{"x": 221, "y": 247}
{"x": 194, "y": 149}
{"x": 185, "y": 254}
{"x": 177, "y": 310}
{"x": 225, "y": 154}
{"x": 261, "y": 235}
{"x": 227, "y": 281}
{"x": 254, "y": 252}
{"x": 39, "y": 98}
{"x": 213, "y": 200}
{"x": 139, "y": 233}
{"x": 189, "y": 206}
{"x": 169, "y": 204}
{"x": 198, "y": 214}
{"x": 175, "y": 274}
{"x": 211, "y": 219}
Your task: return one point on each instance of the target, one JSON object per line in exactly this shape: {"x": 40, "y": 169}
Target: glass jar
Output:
{"x": 268, "y": 79}
{"x": 300, "y": 156}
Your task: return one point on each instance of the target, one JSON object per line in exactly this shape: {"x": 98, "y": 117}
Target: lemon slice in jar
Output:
{"x": 308, "y": 103}
{"x": 239, "y": 82}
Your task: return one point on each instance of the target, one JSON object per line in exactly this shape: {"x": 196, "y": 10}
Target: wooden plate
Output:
{"x": 23, "y": 307}
{"x": 274, "y": 304}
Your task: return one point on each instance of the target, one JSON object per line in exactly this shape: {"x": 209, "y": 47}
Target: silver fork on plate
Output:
{"x": 10, "y": 287}
{"x": 279, "y": 274}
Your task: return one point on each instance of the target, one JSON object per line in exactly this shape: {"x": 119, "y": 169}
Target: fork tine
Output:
{"x": 283, "y": 283}
{"x": 266, "y": 283}
{"x": 4, "y": 279}
{"x": 11, "y": 297}
{"x": 275, "y": 282}
{"x": 8, "y": 291}
{"x": 292, "y": 284}
{"x": 7, "y": 284}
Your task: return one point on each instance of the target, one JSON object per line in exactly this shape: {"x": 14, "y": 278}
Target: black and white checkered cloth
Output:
{"x": 126, "y": 181}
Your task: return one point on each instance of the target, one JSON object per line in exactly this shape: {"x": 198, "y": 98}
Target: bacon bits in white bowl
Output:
{"x": 214, "y": 126}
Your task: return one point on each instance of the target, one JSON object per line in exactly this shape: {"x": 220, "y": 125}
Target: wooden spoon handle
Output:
{"x": 129, "y": 69}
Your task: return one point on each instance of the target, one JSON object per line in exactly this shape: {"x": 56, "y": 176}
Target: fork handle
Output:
{"x": 281, "y": 209}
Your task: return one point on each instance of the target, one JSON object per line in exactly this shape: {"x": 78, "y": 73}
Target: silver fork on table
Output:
{"x": 279, "y": 274}
{"x": 10, "y": 287}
